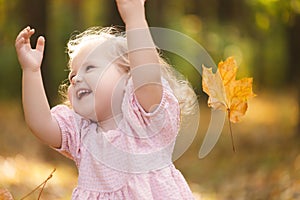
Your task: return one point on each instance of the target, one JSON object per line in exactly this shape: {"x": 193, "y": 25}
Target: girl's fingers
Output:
{"x": 24, "y": 37}
{"x": 25, "y": 31}
{"x": 18, "y": 45}
{"x": 25, "y": 34}
{"x": 20, "y": 35}
{"x": 28, "y": 33}
{"x": 40, "y": 44}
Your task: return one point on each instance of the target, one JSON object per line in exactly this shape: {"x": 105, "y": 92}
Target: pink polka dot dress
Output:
{"x": 132, "y": 162}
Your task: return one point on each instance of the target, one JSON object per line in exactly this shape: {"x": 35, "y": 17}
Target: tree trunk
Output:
{"x": 294, "y": 49}
{"x": 113, "y": 17}
{"x": 77, "y": 13}
{"x": 35, "y": 15}
{"x": 155, "y": 13}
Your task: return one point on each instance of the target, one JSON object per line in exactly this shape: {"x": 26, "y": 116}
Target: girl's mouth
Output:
{"x": 82, "y": 92}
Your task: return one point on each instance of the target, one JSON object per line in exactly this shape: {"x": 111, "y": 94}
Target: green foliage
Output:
{"x": 255, "y": 32}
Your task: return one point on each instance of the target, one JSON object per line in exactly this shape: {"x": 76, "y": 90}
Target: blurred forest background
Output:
{"x": 263, "y": 36}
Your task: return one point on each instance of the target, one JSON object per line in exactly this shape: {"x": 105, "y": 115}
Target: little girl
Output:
{"x": 123, "y": 114}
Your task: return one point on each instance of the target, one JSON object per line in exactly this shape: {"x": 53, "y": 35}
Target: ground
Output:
{"x": 265, "y": 166}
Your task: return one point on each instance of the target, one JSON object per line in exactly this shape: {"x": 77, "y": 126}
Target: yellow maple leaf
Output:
{"x": 225, "y": 92}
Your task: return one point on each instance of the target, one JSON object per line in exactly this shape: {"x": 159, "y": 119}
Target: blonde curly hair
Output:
{"x": 181, "y": 87}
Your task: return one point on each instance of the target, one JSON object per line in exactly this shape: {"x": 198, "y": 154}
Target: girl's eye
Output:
{"x": 89, "y": 67}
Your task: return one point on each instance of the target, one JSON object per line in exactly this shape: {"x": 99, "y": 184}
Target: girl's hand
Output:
{"x": 30, "y": 59}
{"x": 131, "y": 10}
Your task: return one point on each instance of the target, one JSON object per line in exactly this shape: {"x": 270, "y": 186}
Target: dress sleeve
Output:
{"x": 154, "y": 130}
{"x": 69, "y": 125}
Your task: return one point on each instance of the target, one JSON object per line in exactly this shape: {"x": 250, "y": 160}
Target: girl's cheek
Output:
{"x": 70, "y": 94}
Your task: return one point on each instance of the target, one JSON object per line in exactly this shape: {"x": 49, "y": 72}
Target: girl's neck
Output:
{"x": 111, "y": 123}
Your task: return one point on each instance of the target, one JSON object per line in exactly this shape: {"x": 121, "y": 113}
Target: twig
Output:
{"x": 42, "y": 184}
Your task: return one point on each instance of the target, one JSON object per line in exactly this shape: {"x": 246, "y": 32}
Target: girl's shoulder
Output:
{"x": 68, "y": 118}
{"x": 64, "y": 110}
{"x": 61, "y": 108}
{"x": 164, "y": 82}
{"x": 166, "y": 115}
{"x": 168, "y": 97}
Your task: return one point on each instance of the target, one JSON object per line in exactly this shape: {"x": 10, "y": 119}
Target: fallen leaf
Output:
{"x": 5, "y": 194}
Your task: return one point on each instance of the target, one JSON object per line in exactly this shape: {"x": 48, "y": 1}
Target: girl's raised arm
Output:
{"x": 35, "y": 103}
{"x": 143, "y": 57}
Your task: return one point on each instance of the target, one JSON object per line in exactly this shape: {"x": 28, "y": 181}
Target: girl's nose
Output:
{"x": 76, "y": 79}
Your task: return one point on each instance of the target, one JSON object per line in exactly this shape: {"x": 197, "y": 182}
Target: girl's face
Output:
{"x": 95, "y": 77}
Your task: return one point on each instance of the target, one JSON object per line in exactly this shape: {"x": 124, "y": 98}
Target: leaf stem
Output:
{"x": 231, "y": 134}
